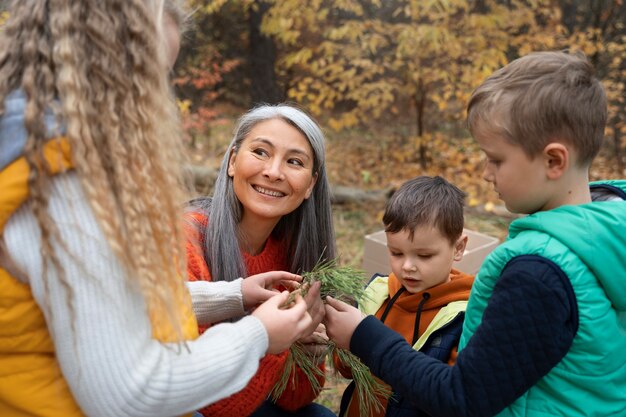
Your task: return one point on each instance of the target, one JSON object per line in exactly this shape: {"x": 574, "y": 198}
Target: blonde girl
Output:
{"x": 95, "y": 316}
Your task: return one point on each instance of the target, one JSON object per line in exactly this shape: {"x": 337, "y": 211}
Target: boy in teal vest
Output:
{"x": 424, "y": 298}
{"x": 545, "y": 326}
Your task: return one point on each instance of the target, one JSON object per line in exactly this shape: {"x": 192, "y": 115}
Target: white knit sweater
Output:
{"x": 102, "y": 334}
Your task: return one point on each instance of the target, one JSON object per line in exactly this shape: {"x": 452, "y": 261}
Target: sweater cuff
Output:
{"x": 370, "y": 339}
{"x": 215, "y": 301}
{"x": 257, "y": 331}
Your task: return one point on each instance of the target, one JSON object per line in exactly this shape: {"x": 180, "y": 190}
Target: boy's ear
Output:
{"x": 557, "y": 159}
{"x": 459, "y": 248}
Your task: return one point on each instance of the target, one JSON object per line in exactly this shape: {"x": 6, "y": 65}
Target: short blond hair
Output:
{"x": 540, "y": 98}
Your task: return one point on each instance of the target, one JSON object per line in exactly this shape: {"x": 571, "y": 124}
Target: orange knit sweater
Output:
{"x": 299, "y": 392}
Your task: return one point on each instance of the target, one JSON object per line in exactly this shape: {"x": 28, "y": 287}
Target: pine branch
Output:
{"x": 340, "y": 282}
{"x": 369, "y": 389}
{"x": 298, "y": 357}
{"x": 347, "y": 284}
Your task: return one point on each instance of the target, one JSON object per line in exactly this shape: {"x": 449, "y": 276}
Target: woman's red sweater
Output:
{"x": 243, "y": 403}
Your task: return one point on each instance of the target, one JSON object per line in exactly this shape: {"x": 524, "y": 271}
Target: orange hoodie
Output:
{"x": 401, "y": 317}
{"x": 404, "y": 310}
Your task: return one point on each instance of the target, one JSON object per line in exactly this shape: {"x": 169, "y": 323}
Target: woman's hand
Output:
{"x": 258, "y": 288}
{"x": 284, "y": 325}
{"x": 316, "y": 344}
{"x": 341, "y": 321}
{"x": 315, "y": 306}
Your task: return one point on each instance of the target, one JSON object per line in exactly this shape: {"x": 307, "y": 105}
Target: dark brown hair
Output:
{"x": 426, "y": 201}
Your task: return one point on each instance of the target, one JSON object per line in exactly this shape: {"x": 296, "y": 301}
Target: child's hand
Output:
{"x": 257, "y": 288}
{"x": 341, "y": 321}
{"x": 283, "y": 325}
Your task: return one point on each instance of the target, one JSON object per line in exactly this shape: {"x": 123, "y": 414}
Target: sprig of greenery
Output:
{"x": 369, "y": 389}
{"x": 340, "y": 282}
{"x": 343, "y": 283}
{"x": 298, "y": 357}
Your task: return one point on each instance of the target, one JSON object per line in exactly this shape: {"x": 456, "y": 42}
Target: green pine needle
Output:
{"x": 342, "y": 283}
{"x": 369, "y": 390}
{"x": 298, "y": 357}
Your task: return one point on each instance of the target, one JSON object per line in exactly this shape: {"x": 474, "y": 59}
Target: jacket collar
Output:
{"x": 13, "y": 134}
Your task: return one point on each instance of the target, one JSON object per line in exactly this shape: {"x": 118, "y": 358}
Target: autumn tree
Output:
{"x": 200, "y": 85}
{"x": 233, "y": 28}
{"x": 599, "y": 29}
{"x": 200, "y": 71}
{"x": 264, "y": 87}
{"x": 370, "y": 59}
{"x": 406, "y": 63}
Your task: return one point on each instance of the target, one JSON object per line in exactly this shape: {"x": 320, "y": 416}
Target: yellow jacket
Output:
{"x": 31, "y": 382}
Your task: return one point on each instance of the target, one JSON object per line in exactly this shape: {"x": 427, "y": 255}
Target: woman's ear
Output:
{"x": 459, "y": 248}
{"x": 557, "y": 159}
{"x": 309, "y": 190}
{"x": 231, "y": 163}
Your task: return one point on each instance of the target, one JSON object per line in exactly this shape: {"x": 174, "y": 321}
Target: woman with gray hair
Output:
{"x": 270, "y": 210}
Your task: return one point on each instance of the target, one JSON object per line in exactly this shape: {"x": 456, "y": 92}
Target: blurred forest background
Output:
{"x": 388, "y": 80}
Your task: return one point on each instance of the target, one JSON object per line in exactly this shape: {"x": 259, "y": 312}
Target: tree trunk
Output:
{"x": 420, "y": 104}
{"x": 617, "y": 143}
{"x": 263, "y": 85}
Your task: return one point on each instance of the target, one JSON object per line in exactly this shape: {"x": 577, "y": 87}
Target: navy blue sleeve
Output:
{"x": 527, "y": 328}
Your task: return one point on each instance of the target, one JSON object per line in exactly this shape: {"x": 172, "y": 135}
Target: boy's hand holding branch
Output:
{"x": 341, "y": 321}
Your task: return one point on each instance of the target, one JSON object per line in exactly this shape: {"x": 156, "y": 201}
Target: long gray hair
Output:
{"x": 307, "y": 232}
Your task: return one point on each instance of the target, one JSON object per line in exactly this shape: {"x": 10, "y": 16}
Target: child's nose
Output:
{"x": 409, "y": 265}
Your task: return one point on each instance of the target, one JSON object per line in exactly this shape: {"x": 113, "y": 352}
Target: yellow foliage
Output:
{"x": 213, "y": 6}
{"x": 344, "y": 121}
{"x": 358, "y": 61}
{"x": 184, "y": 106}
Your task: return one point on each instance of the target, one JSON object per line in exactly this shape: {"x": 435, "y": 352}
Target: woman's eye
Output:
{"x": 259, "y": 151}
{"x": 298, "y": 162}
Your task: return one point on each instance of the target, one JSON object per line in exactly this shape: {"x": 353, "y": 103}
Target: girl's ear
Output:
{"x": 557, "y": 159}
{"x": 459, "y": 248}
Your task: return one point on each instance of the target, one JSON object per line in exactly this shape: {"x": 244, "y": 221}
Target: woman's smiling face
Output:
{"x": 272, "y": 171}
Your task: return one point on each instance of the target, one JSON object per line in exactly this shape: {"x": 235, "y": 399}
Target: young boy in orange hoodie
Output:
{"x": 423, "y": 298}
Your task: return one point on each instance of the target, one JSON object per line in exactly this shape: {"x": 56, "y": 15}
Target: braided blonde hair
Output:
{"x": 100, "y": 65}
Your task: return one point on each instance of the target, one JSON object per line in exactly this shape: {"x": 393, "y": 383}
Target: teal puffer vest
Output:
{"x": 588, "y": 242}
